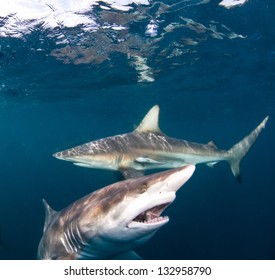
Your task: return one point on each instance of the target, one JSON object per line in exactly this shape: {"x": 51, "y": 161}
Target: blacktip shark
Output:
{"x": 110, "y": 222}
{"x": 147, "y": 147}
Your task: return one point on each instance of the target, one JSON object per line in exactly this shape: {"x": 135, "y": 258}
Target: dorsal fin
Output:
{"x": 212, "y": 144}
{"x": 48, "y": 214}
{"x": 150, "y": 122}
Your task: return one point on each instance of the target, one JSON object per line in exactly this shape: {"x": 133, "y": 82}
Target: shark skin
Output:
{"x": 147, "y": 147}
{"x": 110, "y": 222}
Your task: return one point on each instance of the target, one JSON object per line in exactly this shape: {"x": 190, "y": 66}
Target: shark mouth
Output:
{"x": 152, "y": 215}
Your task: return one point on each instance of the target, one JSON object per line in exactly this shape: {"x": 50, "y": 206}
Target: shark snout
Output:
{"x": 178, "y": 177}
{"x": 146, "y": 211}
{"x": 65, "y": 155}
{"x": 58, "y": 155}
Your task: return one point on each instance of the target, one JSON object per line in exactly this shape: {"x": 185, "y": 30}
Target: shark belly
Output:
{"x": 167, "y": 160}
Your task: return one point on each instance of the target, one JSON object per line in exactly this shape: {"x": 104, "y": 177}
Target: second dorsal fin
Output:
{"x": 212, "y": 144}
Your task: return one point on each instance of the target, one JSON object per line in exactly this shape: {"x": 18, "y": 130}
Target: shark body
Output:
{"x": 111, "y": 221}
{"x": 147, "y": 147}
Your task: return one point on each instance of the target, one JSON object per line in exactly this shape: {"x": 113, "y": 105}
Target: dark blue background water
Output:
{"x": 222, "y": 91}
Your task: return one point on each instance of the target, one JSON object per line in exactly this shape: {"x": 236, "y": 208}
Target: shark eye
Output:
{"x": 143, "y": 188}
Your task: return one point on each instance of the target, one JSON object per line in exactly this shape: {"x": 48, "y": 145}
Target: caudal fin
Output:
{"x": 238, "y": 151}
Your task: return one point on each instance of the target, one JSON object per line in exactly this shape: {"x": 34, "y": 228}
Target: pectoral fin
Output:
{"x": 82, "y": 164}
{"x": 146, "y": 160}
{"x": 211, "y": 164}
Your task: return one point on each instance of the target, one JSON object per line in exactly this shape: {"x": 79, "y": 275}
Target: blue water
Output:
{"x": 210, "y": 85}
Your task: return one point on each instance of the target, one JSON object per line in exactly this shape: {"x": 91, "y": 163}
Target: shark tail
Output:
{"x": 239, "y": 150}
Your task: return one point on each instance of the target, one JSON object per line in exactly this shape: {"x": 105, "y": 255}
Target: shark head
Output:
{"x": 93, "y": 155}
{"x": 112, "y": 220}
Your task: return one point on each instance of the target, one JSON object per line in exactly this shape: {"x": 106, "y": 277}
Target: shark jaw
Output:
{"x": 140, "y": 219}
{"x": 151, "y": 217}
{"x": 113, "y": 220}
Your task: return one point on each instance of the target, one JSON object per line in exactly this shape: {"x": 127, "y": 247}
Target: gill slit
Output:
{"x": 73, "y": 241}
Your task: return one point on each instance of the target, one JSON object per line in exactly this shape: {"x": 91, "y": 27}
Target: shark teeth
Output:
{"x": 156, "y": 220}
{"x": 152, "y": 215}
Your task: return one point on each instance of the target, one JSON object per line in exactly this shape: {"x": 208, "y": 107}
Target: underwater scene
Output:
{"x": 137, "y": 129}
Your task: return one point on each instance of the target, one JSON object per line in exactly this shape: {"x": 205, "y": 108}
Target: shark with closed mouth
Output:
{"x": 147, "y": 147}
{"x": 110, "y": 222}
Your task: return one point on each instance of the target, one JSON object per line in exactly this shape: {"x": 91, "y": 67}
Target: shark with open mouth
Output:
{"x": 110, "y": 222}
